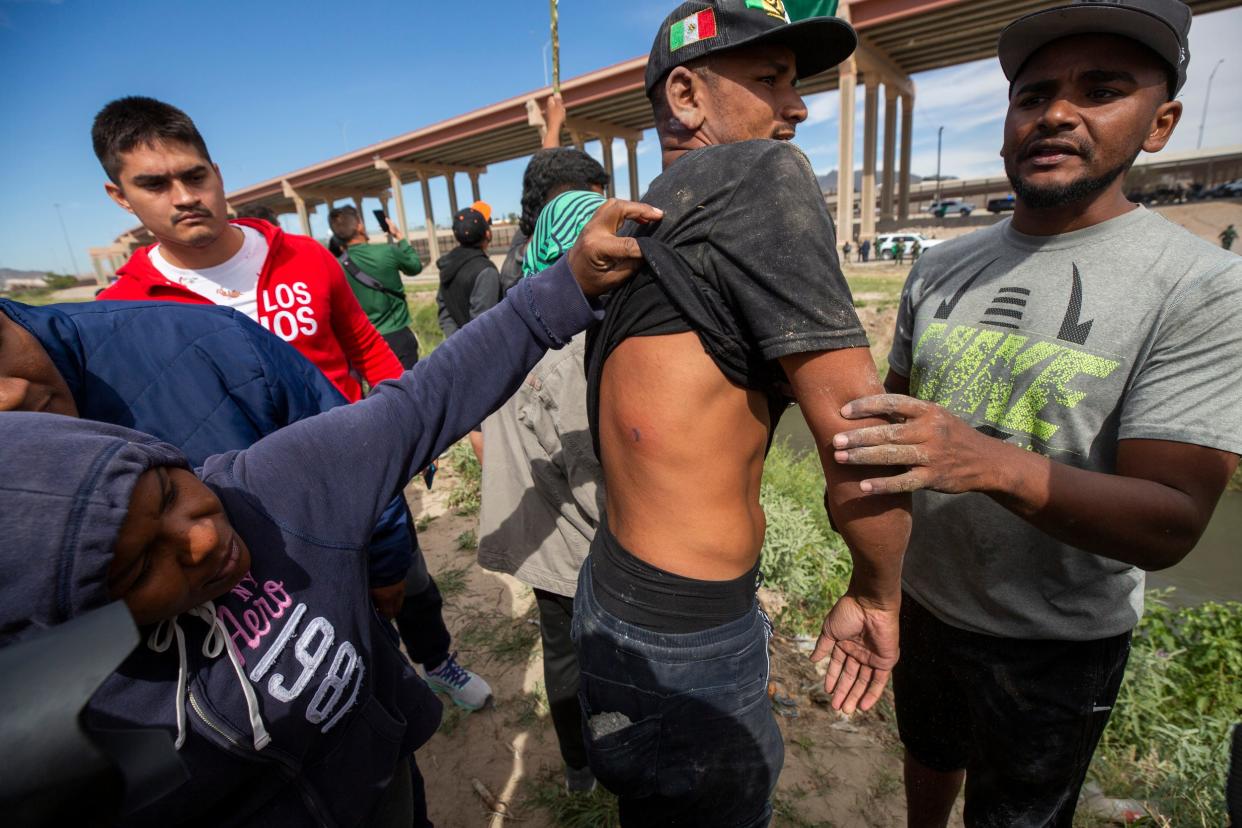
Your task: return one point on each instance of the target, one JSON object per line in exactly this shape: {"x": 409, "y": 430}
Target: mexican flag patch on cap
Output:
{"x": 692, "y": 29}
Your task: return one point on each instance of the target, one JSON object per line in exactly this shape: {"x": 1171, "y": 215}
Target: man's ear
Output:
{"x": 1162, "y": 126}
{"x": 115, "y": 193}
{"x": 684, "y": 96}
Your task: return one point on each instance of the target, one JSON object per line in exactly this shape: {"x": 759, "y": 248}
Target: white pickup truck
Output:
{"x": 884, "y": 246}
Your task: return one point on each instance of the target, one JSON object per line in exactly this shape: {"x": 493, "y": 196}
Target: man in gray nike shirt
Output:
{"x": 1075, "y": 411}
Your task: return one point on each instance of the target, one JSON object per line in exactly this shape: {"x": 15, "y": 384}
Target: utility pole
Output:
{"x": 68, "y": 244}
{"x": 1206, "y": 98}
{"x": 556, "y": 48}
{"x": 939, "y": 141}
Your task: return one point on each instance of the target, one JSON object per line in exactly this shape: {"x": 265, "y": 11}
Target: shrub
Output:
{"x": 465, "y": 495}
{"x": 56, "y": 281}
{"x": 1167, "y": 743}
{"x": 424, "y": 320}
{"x": 802, "y": 557}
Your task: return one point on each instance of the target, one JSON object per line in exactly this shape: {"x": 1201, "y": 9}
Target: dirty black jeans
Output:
{"x": 679, "y": 727}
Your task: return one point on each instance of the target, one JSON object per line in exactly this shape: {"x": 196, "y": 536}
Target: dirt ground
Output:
{"x": 837, "y": 772}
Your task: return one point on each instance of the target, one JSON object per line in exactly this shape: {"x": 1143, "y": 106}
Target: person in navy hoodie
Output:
{"x": 288, "y": 698}
{"x": 206, "y": 379}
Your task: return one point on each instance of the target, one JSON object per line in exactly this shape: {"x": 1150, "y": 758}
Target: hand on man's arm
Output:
{"x": 1149, "y": 514}
{"x": 861, "y": 631}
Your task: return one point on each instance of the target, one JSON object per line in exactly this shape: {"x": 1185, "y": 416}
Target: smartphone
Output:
{"x": 382, "y": 219}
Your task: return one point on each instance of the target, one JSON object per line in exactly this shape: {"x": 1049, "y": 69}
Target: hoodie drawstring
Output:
{"x": 217, "y": 640}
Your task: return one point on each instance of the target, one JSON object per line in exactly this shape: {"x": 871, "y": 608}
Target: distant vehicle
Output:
{"x": 1001, "y": 205}
{"x": 1232, "y": 190}
{"x": 885, "y": 244}
{"x": 942, "y": 208}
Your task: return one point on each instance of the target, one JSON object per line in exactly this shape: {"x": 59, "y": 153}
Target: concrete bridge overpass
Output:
{"x": 898, "y": 38}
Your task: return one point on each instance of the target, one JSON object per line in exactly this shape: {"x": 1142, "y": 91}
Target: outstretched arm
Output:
{"x": 860, "y": 632}
{"x": 355, "y": 459}
{"x": 1149, "y": 514}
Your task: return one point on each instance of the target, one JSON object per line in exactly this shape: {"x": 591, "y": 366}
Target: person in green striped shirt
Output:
{"x": 378, "y": 287}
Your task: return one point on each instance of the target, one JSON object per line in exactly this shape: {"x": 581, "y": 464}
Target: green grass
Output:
{"x": 464, "y": 497}
{"x": 802, "y": 556}
{"x": 42, "y": 296}
{"x": 528, "y": 708}
{"x": 1167, "y": 741}
{"x": 424, "y": 319}
{"x": 511, "y": 640}
{"x": 467, "y": 541}
{"x": 452, "y": 581}
{"x": 597, "y": 809}
{"x": 453, "y": 716}
{"x": 785, "y": 811}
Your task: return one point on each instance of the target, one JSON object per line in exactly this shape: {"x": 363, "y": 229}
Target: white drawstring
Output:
{"x": 217, "y": 640}
{"x": 159, "y": 641}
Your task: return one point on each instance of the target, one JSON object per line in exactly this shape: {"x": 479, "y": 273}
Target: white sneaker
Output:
{"x": 467, "y": 690}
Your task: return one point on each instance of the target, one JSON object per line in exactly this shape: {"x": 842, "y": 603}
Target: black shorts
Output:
{"x": 1022, "y": 717}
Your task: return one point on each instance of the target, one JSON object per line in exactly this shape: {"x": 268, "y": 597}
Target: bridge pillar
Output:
{"x": 871, "y": 86}
{"x": 474, "y": 186}
{"x": 887, "y": 192}
{"x": 605, "y": 144}
{"x": 398, "y": 196}
{"x": 299, "y": 204}
{"x": 433, "y": 243}
{"x": 451, "y": 181}
{"x": 907, "y": 139}
{"x": 631, "y": 155}
{"x": 845, "y": 169}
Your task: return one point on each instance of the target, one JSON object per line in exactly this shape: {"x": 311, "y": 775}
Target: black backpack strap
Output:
{"x": 365, "y": 279}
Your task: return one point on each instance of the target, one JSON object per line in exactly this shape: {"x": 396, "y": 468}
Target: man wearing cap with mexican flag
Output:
{"x": 742, "y": 309}
{"x": 1074, "y": 415}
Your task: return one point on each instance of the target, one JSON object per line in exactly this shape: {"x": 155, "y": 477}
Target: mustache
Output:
{"x": 199, "y": 213}
{"x": 1064, "y": 143}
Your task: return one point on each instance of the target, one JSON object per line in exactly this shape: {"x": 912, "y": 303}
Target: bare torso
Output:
{"x": 682, "y": 450}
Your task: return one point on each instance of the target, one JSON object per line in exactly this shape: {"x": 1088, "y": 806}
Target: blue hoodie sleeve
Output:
{"x": 299, "y": 390}
{"x": 308, "y": 476}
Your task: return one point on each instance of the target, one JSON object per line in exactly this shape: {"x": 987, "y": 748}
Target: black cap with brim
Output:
{"x": 818, "y": 43}
{"x": 1160, "y": 25}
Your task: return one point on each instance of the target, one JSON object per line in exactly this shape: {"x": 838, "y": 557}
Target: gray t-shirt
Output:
{"x": 1063, "y": 345}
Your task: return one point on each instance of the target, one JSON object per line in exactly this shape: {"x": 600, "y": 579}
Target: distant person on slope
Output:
{"x": 1228, "y": 236}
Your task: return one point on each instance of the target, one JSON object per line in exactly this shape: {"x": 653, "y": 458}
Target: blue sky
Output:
{"x": 278, "y": 85}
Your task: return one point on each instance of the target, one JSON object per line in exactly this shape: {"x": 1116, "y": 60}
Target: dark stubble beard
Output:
{"x": 1061, "y": 195}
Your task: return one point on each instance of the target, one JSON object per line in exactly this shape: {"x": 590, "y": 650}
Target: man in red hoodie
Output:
{"x": 160, "y": 170}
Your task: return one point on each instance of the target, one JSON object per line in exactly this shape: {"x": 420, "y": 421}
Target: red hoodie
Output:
{"x": 303, "y": 298}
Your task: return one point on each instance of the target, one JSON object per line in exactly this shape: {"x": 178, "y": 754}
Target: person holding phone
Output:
{"x": 374, "y": 273}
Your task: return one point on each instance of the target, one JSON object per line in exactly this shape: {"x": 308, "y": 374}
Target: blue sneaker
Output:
{"x": 467, "y": 690}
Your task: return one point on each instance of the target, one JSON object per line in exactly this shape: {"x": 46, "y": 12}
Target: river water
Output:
{"x": 1212, "y": 572}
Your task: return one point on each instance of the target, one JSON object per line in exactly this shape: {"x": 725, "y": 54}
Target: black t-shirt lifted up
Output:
{"x": 745, "y": 256}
